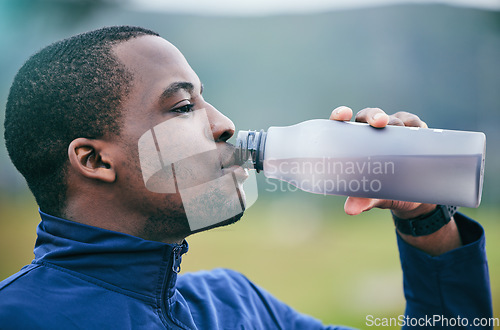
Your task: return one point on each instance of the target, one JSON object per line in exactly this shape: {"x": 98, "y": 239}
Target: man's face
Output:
{"x": 176, "y": 170}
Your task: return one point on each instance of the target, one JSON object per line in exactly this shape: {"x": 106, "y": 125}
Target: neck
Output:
{"x": 120, "y": 219}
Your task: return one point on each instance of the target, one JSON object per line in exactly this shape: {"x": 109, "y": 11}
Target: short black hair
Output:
{"x": 70, "y": 89}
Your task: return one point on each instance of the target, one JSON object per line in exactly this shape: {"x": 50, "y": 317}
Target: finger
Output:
{"x": 407, "y": 210}
{"x": 374, "y": 116}
{"x": 409, "y": 119}
{"x": 395, "y": 121}
{"x": 357, "y": 205}
{"x": 341, "y": 113}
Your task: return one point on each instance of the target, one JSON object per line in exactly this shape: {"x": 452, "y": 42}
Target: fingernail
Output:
{"x": 338, "y": 110}
{"x": 378, "y": 115}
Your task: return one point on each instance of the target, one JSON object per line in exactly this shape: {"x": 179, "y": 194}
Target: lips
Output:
{"x": 239, "y": 172}
{"x": 231, "y": 163}
{"x": 227, "y": 156}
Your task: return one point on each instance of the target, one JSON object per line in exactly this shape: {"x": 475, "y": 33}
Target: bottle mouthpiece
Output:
{"x": 250, "y": 147}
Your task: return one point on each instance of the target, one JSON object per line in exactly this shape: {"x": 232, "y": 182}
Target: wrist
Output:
{"x": 418, "y": 211}
{"x": 426, "y": 223}
{"x": 447, "y": 238}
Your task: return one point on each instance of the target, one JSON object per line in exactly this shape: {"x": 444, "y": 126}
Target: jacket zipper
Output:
{"x": 176, "y": 263}
{"x": 176, "y": 268}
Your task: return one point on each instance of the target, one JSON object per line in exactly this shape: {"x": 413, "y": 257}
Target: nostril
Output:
{"x": 226, "y": 135}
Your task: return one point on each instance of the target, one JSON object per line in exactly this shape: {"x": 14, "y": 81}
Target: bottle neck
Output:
{"x": 250, "y": 146}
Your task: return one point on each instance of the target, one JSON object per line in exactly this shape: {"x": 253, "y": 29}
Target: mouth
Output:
{"x": 240, "y": 173}
{"x": 232, "y": 164}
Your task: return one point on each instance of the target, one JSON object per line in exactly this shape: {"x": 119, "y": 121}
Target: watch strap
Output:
{"x": 425, "y": 224}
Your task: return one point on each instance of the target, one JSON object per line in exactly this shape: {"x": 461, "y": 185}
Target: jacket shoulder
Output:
{"x": 43, "y": 296}
{"x": 216, "y": 281}
{"x": 13, "y": 294}
{"x": 13, "y": 278}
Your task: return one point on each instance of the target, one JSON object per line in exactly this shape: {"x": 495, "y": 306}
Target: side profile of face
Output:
{"x": 174, "y": 167}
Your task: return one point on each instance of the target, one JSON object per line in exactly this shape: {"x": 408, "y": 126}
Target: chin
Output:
{"x": 223, "y": 223}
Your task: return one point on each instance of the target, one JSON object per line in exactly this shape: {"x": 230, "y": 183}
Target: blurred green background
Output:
{"x": 438, "y": 61}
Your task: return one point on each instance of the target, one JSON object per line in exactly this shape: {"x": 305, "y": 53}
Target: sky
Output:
{"x": 269, "y": 7}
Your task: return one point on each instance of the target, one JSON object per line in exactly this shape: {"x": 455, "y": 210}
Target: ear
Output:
{"x": 87, "y": 156}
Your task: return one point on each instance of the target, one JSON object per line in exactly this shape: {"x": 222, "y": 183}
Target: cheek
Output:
{"x": 198, "y": 169}
{"x": 180, "y": 137}
{"x": 178, "y": 153}
{"x": 149, "y": 198}
{"x": 185, "y": 173}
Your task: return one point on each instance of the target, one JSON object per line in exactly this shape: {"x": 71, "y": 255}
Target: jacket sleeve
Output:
{"x": 449, "y": 290}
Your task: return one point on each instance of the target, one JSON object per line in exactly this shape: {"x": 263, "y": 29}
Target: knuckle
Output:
{"x": 366, "y": 113}
{"x": 395, "y": 121}
{"x": 373, "y": 110}
{"x": 413, "y": 122}
{"x": 409, "y": 119}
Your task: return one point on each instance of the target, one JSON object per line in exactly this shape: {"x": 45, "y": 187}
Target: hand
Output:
{"x": 445, "y": 239}
{"x": 378, "y": 118}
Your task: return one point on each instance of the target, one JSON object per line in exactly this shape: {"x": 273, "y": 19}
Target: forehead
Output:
{"x": 155, "y": 64}
{"x": 150, "y": 53}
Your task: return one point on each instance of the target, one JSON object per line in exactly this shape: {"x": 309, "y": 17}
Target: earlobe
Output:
{"x": 87, "y": 157}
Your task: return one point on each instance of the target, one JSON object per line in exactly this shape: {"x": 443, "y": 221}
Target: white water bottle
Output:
{"x": 354, "y": 159}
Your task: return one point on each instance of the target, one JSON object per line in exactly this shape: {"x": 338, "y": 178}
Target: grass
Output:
{"x": 300, "y": 247}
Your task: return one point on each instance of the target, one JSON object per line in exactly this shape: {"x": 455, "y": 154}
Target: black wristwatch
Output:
{"x": 425, "y": 224}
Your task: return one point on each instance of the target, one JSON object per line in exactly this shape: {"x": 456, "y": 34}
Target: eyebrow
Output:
{"x": 176, "y": 87}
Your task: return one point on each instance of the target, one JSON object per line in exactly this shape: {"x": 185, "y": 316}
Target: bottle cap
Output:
{"x": 250, "y": 146}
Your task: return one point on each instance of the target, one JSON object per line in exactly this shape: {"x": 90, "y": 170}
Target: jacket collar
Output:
{"x": 144, "y": 267}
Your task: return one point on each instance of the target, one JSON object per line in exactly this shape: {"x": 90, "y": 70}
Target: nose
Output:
{"x": 221, "y": 126}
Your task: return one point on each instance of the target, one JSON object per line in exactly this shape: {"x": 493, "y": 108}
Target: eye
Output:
{"x": 184, "y": 109}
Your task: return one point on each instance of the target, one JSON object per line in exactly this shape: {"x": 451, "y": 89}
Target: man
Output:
{"x": 85, "y": 123}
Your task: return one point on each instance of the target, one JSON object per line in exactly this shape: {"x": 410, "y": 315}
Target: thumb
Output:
{"x": 357, "y": 205}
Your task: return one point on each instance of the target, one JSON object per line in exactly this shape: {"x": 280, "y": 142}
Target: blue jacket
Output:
{"x": 84, "y": 277}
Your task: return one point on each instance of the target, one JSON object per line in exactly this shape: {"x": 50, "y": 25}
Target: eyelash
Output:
{"x": 184, "y": 109}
